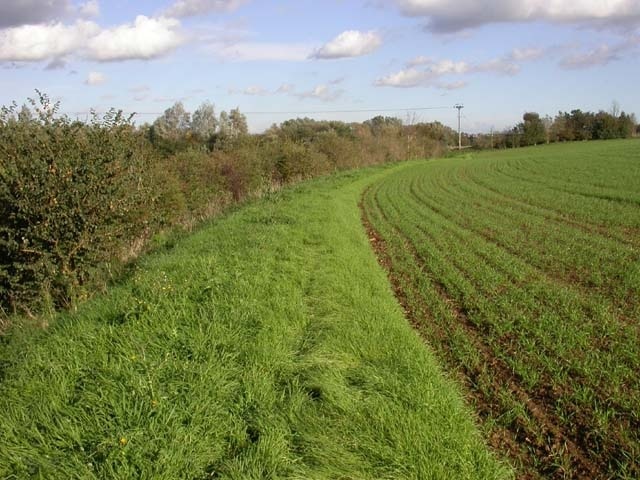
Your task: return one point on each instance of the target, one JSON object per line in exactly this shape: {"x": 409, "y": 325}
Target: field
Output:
{"x": 521, "y": 269}
{"x": 266, "y": 345}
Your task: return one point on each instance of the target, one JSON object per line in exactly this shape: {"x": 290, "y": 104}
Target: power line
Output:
{"x": 307, "y": 112}
{"x": 370, "y": 110}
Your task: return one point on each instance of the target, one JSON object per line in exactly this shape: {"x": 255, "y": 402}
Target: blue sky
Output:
{"x": 498, "y": 57}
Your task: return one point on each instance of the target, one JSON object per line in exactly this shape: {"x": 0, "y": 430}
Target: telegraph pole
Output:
{"x": 459, "y": 106}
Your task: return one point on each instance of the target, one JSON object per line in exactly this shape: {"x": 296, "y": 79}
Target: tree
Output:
{"x": 224, "y": 125}
{"x": 604, "y": 126}
{"x": 204, "y": 122}
{"x": 238, "y": 123}
{"x": 382, "y": 125}
{"x": 533, "y": 131}
{"x": 174, "y": 123}
{"x": 581, "y": 124}
{"x": 626, "y": 125}
{"x": 547, "y": 121}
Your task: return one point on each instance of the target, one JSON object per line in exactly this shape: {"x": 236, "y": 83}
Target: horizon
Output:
{"x": 341, "y": 60}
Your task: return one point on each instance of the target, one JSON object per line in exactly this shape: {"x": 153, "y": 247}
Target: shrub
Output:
{"x": 71, "y": 195}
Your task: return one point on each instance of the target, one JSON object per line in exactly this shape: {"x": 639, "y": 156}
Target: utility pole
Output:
{"x": 459, "y": 107}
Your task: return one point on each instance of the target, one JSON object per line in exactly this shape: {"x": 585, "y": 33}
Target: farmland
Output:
{"x": 266, "y": 345}
{"x": 522, "y": 271}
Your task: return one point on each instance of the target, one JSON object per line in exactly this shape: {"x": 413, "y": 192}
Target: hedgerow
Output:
{"x": 79, "y": 199}
{"x": 71, "y": 194}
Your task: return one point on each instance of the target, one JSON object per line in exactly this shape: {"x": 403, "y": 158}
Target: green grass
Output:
{"x": 266, "y": 345}
{"x": 522, "y": 270}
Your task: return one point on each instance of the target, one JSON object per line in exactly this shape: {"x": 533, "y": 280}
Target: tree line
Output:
{"x": 565, "y": 127}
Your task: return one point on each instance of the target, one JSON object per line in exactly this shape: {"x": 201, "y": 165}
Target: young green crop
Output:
{"x": 522, "y": 269}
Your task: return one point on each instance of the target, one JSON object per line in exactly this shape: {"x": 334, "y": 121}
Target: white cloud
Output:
{"x": 452, "y": 85}
{"x": 601, "y": 55}
{"x": 41, "y": 42}
{"x": 526, "y": 54}
{"x": 420, "y": 60}
{"x": 445, "y": 67}
{"x": 426, "y": 72}
{"x": 255, "y": 51}
{"x": 285, "y": 88}
{"x": 146, "y": 38}
{"x": 235, "y": 42}
{"x": 89, "y": 9}
{"x": 447, "y": 16}
{"x": 407, "y": 78}
{"x": 351, "y": 43}
{"x": 253, "y": 90}
{"x": 322, "y": 92}
{"x": 188, "y": 8}
{"x": 499, "y": 65}
{"x": 95, "y": 78}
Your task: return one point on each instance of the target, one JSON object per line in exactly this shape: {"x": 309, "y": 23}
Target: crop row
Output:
{"x": 524, "y": 280}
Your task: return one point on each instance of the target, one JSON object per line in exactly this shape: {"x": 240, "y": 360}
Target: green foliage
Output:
{"x": 532, "y": 128}
{"x": 565, "y": 127}
{"x": 70, "y": 196}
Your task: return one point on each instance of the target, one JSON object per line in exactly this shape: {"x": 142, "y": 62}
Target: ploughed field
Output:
{"x": 521, "y": 269}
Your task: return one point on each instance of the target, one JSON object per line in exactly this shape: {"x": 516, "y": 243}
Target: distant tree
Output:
{"x": 238, "y": 123}
{"x": 547, "y": 121}
{"x": 224, "y": 125}
{"x": 174, "y": 123}
{"x": 604, "y": 126}
{"x": 626, "y": 125}
{"x": 382, "y": 125}
{"x": 204, "y": 122}
{"x": 615, "y": 109}
{"x": 560, "y": 130}
{"x": 532, "y": 129}
{"x": 581, "y": 124}
{"x": 513, "y": 137}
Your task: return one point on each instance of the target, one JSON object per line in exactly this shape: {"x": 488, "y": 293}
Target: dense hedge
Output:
{"x": 79, "y": 199}
{"x": 70, "y": 195}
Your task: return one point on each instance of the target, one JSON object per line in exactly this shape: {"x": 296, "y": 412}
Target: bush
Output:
{"x": 71, "y": 195}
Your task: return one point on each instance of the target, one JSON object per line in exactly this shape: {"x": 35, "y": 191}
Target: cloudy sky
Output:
{"x": 331, "y": 59}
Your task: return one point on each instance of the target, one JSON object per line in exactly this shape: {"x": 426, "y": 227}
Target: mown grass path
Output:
{"x": 522, "y": 269}
{"x": 266, "y": 345}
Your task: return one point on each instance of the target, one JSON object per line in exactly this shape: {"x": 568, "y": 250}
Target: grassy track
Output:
{"x": 267, "y": 345}
{"x": 522, "y": 269}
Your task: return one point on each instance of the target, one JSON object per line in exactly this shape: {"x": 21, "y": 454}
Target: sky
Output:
{"x": 333, "y": 59}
